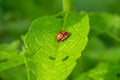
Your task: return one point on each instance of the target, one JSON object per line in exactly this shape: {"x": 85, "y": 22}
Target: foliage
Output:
{"x": 49, "y": 59}
{"x": 10, "y": 56}
{"x": 91, "y": 52}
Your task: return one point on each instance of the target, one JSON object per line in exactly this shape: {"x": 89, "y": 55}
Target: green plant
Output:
{"x": 75, "y": 58}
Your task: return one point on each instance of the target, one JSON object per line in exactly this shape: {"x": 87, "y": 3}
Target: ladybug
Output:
{"x": 61, "y": 36}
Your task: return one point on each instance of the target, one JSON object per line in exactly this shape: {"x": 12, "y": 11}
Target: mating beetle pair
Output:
{"x": 61, "y": 36}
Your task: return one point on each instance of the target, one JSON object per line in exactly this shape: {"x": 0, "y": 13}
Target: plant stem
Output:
{"x": 68, "y": 5}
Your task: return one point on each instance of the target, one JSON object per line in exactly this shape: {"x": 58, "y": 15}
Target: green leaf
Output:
{"x": 105, "y": 71}
{"x": 9, "y": 50}
{"x": 48, "y": 59}
{"x": 89, "y": 58}
{"x": 14, "y": 73}
{"x": 10, "y": 56}
{"x": 106, "y": 26}
{"x": 8, "y": 63}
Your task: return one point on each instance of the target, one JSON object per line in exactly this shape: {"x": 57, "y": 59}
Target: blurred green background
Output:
{"x": 17, "y": 15}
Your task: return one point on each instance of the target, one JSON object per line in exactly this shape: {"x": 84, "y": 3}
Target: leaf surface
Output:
{"x": 48, "y": 59}
{"x": 10, "y": 56}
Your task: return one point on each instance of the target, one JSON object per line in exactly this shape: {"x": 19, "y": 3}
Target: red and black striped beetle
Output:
{"x": 61, "y": 36}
